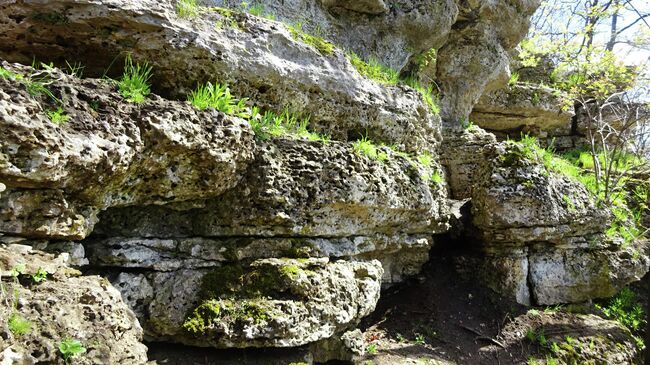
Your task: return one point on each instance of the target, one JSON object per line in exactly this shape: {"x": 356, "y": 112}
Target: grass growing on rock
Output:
{"x": 218, "y": 97}
{"x": 374, "y": 70}
{"x": 366, "y": 147}
{"x": 134, "y": 84}
{"x": 187, "y": 8}
{"x": 18, "y": 325}
{"x": 578, "y": 166}
{"x": 58, "y": 116}
{"x": 266, "y": 125}
{"x": 324, "y": 47}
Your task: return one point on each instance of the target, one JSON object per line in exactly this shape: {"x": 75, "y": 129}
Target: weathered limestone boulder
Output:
{"x": 298, "y": 196}
{"x": 462, "y": 155}
{"x": 483, "y": 33}
{"x": 517, "y": 199}
{"x": 109, "y": 153}
{"x": 527, "y": 109}
{"x": 260, "y": 59}
{"x": 578, "y": 274}
{"x": 542, "y": 233}
{"x": 45, "y": 302}
{"x": 278, "y": 302}
{"x": 578, "y": 338}
{"x": 391, "y": 32}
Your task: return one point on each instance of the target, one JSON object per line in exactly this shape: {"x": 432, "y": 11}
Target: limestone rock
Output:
{"x": 109, "y": 153}
{"x": 321, "y": 200}
{"x": 598, "y": 340}
{"x": 542, "y": 234}
{"x": 363, "y": 6}
{"x": 517, "y": 200}
{"x": 391, "y": 32}
{"x": 478, "y": 47}
{"x": 462, "y": 157}
{"x": 526, "y": 109}
{"x": 575, "y": 275}
{"x": 63, "y": 306}
{"x": 273, "y": 302}
{"x": 400, "y": 256}
{"x": 260, "y": 60}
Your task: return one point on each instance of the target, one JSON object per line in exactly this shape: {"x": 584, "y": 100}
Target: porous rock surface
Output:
{"x": 524, "y": 109}
{"x": 471, "y": 37}
{"x": 260, "y": 60}
{"x": 110, "y": 153}
{"x": 543, "y": 234}
{"x": 63, "y": 306}
{"x": 227, "y": 198}
{"x": 578, "y": 338}
{"x": 277, "y": 302}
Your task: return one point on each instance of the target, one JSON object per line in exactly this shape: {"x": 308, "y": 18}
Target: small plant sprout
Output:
{"x": 17, "y": 270}
{"x": 419, "y": 339}
{"x": 218, "y": 97}
{"x": 58, "y": 116}
{"x": 18, "y": 325}
{"x": 514, "y": 78}
{"x": 365, "y": 147}
{"x": 187, "y": 8}
{"x": 71, "y": 349}
{"x": 6, "y": 74}
{"x": 425, "y": 159}
{"x": 40, "y": 275}
{"x": 134, "y": 84}
{"x": 372, "y": 348}
{"x": 436, "y": 178}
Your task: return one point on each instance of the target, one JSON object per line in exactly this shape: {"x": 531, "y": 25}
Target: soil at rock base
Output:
{"x": 438, "y": 318}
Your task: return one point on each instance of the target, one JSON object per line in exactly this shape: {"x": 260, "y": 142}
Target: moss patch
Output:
{"x": 232, "y": 312}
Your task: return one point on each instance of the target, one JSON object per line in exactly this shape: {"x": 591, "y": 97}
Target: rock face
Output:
{"x": 271, "y": 303}
{"x": 110, "y": 153}
{"x": 45, "y": 310}
{"x": 524, "y": 109}
{"x": 260, "y": 59}
{"x": 543, "y": 233}
{"x": 391, "y": 32}
{"x": 578, "y": 338}
{"x": 114, "y": 169}
{"x": 216, "y": 236}
{"x": 483, "y": 33}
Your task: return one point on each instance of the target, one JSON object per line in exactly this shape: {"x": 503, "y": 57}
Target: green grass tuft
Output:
{"x": 373, "y": 69}
{"x": 71, "y": 349}
{"x": 266, "y": 126}
{"x": 324, "y": 47}
{"x": 134, "y": 85}
{"x": 18, "y": 325}
{"x": 625, "y": 307}
{"x": 58, "y": 116}
{"x": 366, "y": 147}
{"x": 187, "y": 8}
{"x": 218, "y": 97}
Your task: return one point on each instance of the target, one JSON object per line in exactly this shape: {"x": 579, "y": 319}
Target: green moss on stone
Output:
{"x": 229, "y": 312}
{"x": 324, "y": 47}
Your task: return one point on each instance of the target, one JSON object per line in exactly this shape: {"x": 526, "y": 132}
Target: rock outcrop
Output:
{"x": 217, "y": 235}
{"x": 576, "y": 338}
{"x": 259, "y": 59}
{"x": 524, "y": 109}
{"x": 45, "y": 303}
{"x": 109, "y": 173}
{"x": 271, "y": 303}
{"x": 543, "y": 233}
